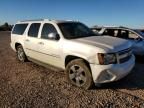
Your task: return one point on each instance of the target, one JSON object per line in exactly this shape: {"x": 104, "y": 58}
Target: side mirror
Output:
{"x": 53, "y": 36}
{"x": 138, "y": 39}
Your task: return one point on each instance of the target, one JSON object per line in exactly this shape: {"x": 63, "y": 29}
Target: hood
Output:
{"x": 107, "y": 43}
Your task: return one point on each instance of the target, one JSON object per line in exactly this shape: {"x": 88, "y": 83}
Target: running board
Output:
{"x": 51, "y": 67}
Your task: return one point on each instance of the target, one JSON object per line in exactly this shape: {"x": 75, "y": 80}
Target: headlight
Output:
{"x": 105, "y": 59}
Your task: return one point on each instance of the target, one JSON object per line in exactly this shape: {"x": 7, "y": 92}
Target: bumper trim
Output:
{"x": 117, "y": 70}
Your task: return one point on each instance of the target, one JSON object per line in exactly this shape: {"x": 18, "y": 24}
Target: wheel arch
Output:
{"x": 69, "y": 58}
{"x": 17, "y": 44}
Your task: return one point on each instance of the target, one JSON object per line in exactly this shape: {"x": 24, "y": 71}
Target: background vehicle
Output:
{"x": 72, "y": 46}
{"x": 135, "y": 36}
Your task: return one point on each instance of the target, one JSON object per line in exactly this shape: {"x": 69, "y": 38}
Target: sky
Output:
{"x": 128, "y": 13}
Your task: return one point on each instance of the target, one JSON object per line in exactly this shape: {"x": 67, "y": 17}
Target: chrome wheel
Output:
{"x": 77, "y": 75}
{"x": 21, "y": 55}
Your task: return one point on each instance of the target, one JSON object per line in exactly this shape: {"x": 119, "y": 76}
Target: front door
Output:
{"x": 136, "y": 42}
{"x": 49, "y": 48}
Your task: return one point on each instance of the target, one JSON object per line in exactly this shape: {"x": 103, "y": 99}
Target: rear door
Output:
{"x": 31, "y": 41}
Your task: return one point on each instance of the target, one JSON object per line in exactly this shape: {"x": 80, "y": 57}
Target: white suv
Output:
{"x": 70, "y": 45}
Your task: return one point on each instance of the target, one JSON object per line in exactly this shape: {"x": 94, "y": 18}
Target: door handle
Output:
{"x": 41, "y": 43}
{"x": 27, "y": 40}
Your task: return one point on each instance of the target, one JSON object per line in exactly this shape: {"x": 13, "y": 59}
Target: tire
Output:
{"x": 79, "y": 74}
{"x": 21, "y": 54}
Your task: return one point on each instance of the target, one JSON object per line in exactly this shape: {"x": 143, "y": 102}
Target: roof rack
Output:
{"x": 123, "y": 27}
{"x": 35, "y": 20}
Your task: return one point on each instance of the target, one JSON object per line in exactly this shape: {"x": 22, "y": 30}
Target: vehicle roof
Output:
{"x": 113, "y": 27}
{"x": 45, "y": 20}
{"x": 102, "y": 26}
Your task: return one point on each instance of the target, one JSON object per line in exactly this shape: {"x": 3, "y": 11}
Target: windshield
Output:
{"x": 140, "y": 32}
{"x": 72, "y": 30}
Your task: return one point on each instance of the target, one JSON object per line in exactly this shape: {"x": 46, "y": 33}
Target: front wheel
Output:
{"x": 79, "y": 74}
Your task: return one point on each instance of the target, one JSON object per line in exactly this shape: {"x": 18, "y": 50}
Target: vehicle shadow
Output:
{"x": 140, "y": 59}
{"x": 134, "y": 81}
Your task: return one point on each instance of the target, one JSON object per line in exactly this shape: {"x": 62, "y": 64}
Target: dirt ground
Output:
{"x": 27, "y": 85}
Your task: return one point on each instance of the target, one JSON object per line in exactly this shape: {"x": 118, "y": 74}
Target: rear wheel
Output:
{"x": 79, "y": 74}
{"x": 21, "y": 54}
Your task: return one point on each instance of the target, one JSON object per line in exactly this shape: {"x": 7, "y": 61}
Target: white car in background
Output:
{"x": 86, "y": 57}
{"x": 135, "y": 36}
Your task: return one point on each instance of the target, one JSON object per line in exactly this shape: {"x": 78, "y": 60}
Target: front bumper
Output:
{"x": 113, "y": 72}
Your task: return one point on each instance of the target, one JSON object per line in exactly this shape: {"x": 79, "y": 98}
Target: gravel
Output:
{"x": 28, "y": 85}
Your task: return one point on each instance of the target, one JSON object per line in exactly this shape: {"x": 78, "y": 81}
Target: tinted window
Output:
{"x": 133, "y": 35}
{"x": 109, "y": 32}
{"x": 34, "y": 29}
{"x": 47, "y": 29}
{"x": 121, "y": 33}
{"x": 19, "y": 29}
{"x": 140, "y": 32}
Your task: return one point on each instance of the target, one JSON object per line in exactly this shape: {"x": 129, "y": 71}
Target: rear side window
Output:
{"x": 47, "y": 29}
{"x": 109, "y": 32}
{"x": 19, "y": 29}
{"x": 34, "y": 29}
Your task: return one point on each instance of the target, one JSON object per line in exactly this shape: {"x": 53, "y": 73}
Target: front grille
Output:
{"x": 124, "y": 56}
{"x": 124, "y": 51}
{"x": 123, "y": 60}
